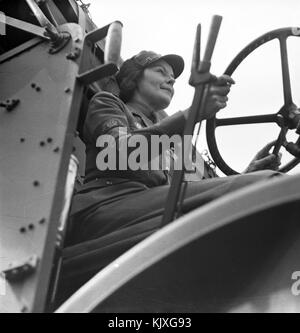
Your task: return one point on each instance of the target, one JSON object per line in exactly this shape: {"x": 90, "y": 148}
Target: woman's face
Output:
{"x": 155, "y": 87}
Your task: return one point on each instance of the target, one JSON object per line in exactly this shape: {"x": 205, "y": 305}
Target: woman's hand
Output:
{"x": 217, "y": 96}
{"x": 263, "y": 160}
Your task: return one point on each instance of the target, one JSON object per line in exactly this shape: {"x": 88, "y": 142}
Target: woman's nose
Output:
{"x": 171, "y": 80}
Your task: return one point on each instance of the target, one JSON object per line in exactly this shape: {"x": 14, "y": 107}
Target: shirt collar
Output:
{"x": 138, "y": 112}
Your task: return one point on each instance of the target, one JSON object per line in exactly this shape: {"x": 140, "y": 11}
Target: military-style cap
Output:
{"x": 146, "y": 58}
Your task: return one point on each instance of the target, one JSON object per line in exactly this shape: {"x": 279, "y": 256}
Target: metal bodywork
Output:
{"x": 222, "y": 257}
{"x": 37, "y": 137}
{"x": 42, "y": 94}
{"x": 36, "y": 142}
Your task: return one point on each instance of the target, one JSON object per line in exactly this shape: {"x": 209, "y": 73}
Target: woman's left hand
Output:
{"x": 263, "y": 160}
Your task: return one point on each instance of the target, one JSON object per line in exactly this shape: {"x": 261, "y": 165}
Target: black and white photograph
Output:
{"x": 149, "y": 159}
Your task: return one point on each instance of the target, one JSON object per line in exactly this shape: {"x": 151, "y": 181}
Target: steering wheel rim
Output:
{"x": 211, "y": 125}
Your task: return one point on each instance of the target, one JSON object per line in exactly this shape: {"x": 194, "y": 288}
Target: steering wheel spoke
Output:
{"x": 266, "y": 118}
{"x": 287, "y": 93}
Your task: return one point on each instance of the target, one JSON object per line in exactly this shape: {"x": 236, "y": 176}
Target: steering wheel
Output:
{"x": 287, "y": 118}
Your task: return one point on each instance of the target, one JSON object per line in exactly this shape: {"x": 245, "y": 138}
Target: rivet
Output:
{"x": 33, "y": 85}
{"x": 22, "y": 140}
{"x": 36, "y": 183}
{"x": 22, "y": 230}
{"x": 42, "y": 143}
{"x": 38, "y": 89}
{"x": 67, "y": 90}
{"x": 42, "y": 221}
{"x": 77, "y": 40}
{"x": 56, "y": 150}
{"x": 31, "y": 226}
{"x": 49, "y": 140}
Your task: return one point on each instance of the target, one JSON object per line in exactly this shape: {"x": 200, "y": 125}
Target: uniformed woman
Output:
{"x": 129, "y": 201}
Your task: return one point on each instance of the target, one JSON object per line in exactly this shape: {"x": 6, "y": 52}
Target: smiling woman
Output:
{"x": 112, "y": 199}
{"x": 155, "y": 88}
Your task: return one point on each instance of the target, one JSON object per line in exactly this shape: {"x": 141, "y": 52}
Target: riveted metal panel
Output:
{"x": 36, "y": 139}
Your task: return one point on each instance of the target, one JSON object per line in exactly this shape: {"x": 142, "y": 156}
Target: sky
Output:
{"x": 169, "y": 26}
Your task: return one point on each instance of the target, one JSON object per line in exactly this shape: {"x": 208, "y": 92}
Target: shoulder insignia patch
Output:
{"x": 111, "y": 124}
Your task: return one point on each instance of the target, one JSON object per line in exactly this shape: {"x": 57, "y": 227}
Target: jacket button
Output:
{"x": 108, "y": 182}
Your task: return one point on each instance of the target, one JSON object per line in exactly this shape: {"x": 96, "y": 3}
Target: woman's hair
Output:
{"x": 128, "y": 78}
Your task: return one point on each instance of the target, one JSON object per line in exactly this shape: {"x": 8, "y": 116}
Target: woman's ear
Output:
{"x": 127, "y": 89}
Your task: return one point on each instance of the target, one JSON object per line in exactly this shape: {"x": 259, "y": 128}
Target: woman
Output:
{"x": 115, "y": 199}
